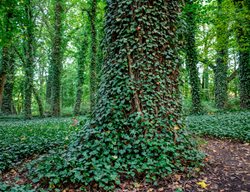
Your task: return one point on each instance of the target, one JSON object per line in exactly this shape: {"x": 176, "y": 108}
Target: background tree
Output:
{"x": 56, "y": 58}
{"x": 243, "y": 39}
{"x": 191, "y": 56}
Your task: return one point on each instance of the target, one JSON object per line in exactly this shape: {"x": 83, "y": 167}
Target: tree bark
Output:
{"x": 220, "y": 70}
{"x": 93, "y": 63}
{"x": 39, "y": 102}
{"x": 29, "y": 64}
{"x": 243, "y": 39}
{"x": 191, "y": 58}
{"x": 56, "y": 59}
{"x": 7, "y": 104}
{"x": 80, "y": 74}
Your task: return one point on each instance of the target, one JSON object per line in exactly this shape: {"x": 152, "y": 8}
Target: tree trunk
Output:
{"x": 7, "y": 104}
{"x": 56, "y": 59}
{"x": 243, "y": 38}
{"x": 39, "y": 102}
{"x": 220, "y": 70}
{"x": 138, "y": 109}
{"x": 80, "y": 74}
{"x": 49, "y": 86}
{"x": 7, "y": 36}
{"x": 191, "y": 58}
{"x": 3, "y": 71}
{"x": 29, "y": 65}
{"x": 93, "y": 63}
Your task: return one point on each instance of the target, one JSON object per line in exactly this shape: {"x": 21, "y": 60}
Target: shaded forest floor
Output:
{"x": 227, "y": 169}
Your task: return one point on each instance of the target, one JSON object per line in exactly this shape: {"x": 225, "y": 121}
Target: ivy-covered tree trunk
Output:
{"x": 80, "y": 74}
{"x": 136, "y": 130}
{"x": 221, "y": 67}
{"x": 93, "y": 63}
{"x": 3, "y": 71}
{"x": 6, "y": 42}
{"x": 191, "y": 58}
{"x": 49, "y": 86}
{"x": 205, "y": 82}
{"x": 243, "y": 38}
{"x": 7, "y": 104}
{"x": 39, "y": 102}
{"x": 56, "y": 58}
{"x": 29, "y": 64}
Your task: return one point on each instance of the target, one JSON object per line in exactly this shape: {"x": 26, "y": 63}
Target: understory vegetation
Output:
{"x": 58, "y": 164}
{"x": 23, "y": 139}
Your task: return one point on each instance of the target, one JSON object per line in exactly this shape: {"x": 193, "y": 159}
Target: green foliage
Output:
{"x": 107, "y": 157}
{"x": 229, "y": 125}
{"x": 23, "y": 139}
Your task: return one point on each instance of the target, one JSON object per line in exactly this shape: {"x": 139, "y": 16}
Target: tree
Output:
{"x": 191, "y": 57}
{"x": 7, "y": 104}
{"x": 80, "y": 73}
{"x": 93, "y": 63}
{"x": 243, "y": 39}
{"x": 56, "y": 58}
{"x": 221, "y": 67}
{"x": 29, "y": 58}
{"x": 7, "y": 33}
{"x": 135, "y": 131}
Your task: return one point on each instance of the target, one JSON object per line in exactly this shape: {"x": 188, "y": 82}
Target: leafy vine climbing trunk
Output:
{"x": 29, "y": 55}
{"x": 93, "y": 63}
{"x": 56, "y": 59}
{"x": 7, "y": 104}
{"x": 221, "y": 67}
{"x": 191, "y": 57}
{"x": 3, "y": 71}
{"x": 82, "y": 53}
{"x": 6, "y": 42}
{"x": 140, "y": 86}
{"x": 243, "y": 39}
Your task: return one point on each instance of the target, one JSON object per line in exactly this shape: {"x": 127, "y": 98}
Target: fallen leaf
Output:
{"x": 202, "y": 184}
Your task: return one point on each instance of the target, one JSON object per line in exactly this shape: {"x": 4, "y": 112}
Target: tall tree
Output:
{"x": 243, "y": 39}
{"x": 93, "y": 63}
{"x": 221, "y": 67}
{"x": 29, "y": 57}
{"x": 134, "y": 128}
{"x": 7, "y": 104}
{"x": 56, "y": 57}
{"x": 7, "y": 33}
{"x": 82, "y": 53}
{"x": 191, "y": 56}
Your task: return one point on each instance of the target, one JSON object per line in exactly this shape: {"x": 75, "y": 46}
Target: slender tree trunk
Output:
{"x": 39, "y": 102}
{"x": 49, "y": 86}
{"x": 205, "y": 77}
{"x": 192, "y": 60}
{"x": 56, "y": 59}
{"x": 243, "y": 38}
{"x": 80, "y": 76}
{"x": 3, "y": 71}
{"x": 220, "y": 70}
{"x": 29, "y": 65}
{"x": 93, "y": 63}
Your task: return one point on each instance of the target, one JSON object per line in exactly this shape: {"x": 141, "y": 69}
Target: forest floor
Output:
{"x": 227, "y": 169}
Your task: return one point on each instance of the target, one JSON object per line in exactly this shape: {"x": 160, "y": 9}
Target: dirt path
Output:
{"x": 228, "y": 166}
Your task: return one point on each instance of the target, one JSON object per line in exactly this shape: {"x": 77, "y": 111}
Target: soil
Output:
{"x": 227, "y": 169}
